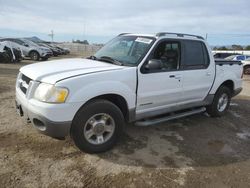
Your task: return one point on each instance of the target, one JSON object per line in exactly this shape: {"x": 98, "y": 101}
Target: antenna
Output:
{"x": 52, "y": 35}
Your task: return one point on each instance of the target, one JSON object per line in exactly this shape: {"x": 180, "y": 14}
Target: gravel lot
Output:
{"x": 196, "y": 151}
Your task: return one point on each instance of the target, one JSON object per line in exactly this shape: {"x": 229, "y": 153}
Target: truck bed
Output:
{"x": 226, "y": 62}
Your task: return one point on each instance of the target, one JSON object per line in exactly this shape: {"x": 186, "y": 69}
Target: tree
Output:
{"x": 222, "y": 48}
{"x": 237, "y": 47}
{"x": 247, "y": 47}
{"x": 80, "y": 41}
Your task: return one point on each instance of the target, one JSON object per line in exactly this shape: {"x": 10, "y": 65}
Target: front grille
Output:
{"x": 26, "y": 79}
{"x": 24, "y": 83}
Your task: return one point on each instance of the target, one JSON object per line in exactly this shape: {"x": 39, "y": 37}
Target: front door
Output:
{"x": 160, "y": 88}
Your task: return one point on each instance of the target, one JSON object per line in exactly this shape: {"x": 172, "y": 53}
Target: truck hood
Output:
{"x": 54, "y": 71}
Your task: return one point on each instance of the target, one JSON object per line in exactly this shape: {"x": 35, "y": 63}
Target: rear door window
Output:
{"x": 195, "y": 55}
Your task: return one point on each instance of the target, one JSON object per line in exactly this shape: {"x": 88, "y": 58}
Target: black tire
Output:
{"x": 246, "y": 69}
{"x": 34, "y": 56}
{"x": 89, "y": 110}
{"x": 213, "y": 109}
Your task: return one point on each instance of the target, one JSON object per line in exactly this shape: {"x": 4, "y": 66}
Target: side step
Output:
{"x": 170, "y": 117}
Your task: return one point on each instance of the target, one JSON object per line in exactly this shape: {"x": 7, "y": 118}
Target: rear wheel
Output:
{"x": 34, "y": 56}
{"x": 97, "y": 126}
{"x": 220, "y": 103}
{"x": 246, "y": 69}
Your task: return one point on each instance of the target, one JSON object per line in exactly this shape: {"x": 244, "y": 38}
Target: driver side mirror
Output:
{"x": 26, "y": 45}
{"x": 153, "y": 64}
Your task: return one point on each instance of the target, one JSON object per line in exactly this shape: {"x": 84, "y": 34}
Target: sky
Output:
{"x": 225, "y": 21}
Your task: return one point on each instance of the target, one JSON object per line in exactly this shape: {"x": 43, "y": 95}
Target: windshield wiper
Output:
{"x": 92, "y": 57}
{"x": 110, "y": 60}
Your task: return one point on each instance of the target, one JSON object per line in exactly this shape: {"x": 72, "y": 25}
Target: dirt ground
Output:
{"x": 196, "y": 151}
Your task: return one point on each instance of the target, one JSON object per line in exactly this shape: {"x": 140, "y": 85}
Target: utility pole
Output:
{"x": 206, "y": 36}
{"x": 52, "y": 35}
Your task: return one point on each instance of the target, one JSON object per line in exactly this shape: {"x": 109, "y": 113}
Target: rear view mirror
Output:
{"x": 153, "y": 64}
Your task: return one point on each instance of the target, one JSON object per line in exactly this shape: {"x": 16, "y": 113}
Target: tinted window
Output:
{"x": 195, "y": 55}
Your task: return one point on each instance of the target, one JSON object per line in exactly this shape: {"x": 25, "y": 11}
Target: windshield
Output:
{"x": 126, "y": 49}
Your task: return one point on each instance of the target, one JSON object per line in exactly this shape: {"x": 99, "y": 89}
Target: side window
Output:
{"x": 168, "y": 55}
{"x": 17, "y": 41}
{"x": 195, "y": 55}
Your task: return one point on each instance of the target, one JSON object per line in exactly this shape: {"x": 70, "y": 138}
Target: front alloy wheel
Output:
{"x": 99, "y": 128}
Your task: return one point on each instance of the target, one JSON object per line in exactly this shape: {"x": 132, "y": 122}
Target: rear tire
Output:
{"x": 220, "y": 102}
{"x": 97, "y": 126}
{"x": 246, "y": 69}
{"x": 34, "y": 56}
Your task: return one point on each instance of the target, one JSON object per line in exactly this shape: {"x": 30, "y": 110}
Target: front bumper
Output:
{"x": 46, "y": 55}
{"x": 42, "y": 124}
{"x": 50, "y": 119}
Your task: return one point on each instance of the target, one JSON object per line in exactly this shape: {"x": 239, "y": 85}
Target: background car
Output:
{"x": 63, "y": 51}
{"x": 223, "y": 55}
{"x": 238, "y": 57}
{"x": 54, "y": 50}
{"x": 4, "y": 56}
{"x": 9, "y": 53}
{"x": 30, "y": 49}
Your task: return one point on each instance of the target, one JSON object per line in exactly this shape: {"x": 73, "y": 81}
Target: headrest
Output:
{"x": 170, "y": 53}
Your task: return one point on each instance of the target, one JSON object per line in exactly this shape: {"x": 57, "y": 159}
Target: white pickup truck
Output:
{"x": 144, "y": 79}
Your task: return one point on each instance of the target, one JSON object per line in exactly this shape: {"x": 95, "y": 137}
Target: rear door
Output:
{"x": 198, "y": 72}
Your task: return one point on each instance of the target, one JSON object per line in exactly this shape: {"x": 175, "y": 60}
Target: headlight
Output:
{"x": 50, "y": 93}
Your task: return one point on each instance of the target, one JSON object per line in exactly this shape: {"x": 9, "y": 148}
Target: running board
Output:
{"x": 170, "y": 117}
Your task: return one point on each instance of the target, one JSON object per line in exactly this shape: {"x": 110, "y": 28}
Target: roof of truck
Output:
{"x": 165, "y": 34}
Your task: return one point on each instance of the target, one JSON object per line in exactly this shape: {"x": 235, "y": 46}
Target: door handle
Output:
{"x": 208, "y": 73}
{"x": 177, "y": 76}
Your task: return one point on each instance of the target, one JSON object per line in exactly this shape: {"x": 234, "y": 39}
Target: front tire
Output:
{"x": 34, "y": 56}
{"x": 220, "y": 103}
{"x": 97, "y": 126}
